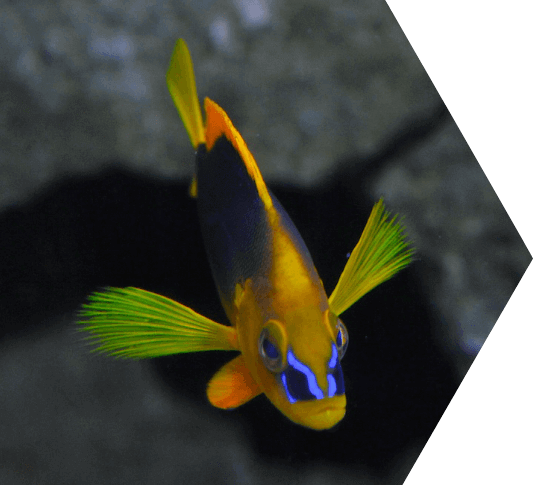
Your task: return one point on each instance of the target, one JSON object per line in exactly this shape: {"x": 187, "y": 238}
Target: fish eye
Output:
{"x": 269, "y": 352}
{"x": 342, "y": 338}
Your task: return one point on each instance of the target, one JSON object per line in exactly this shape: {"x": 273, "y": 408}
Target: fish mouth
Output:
{"x": 320, "y": 414}
{"x": 327, "y": 418}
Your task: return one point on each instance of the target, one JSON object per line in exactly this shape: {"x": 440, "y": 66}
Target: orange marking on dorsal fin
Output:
{"x": 218, "y": 124}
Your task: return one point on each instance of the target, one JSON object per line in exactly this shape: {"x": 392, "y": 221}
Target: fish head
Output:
{"x": 296, "y": 360}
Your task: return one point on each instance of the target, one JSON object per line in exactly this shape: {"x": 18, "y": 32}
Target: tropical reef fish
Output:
{"x": 288, "y": 332}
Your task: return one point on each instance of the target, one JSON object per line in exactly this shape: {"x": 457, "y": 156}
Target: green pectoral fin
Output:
{"x": 232, "y": 385}
{"x": 380, "y": 253}
{"x": 134, "y": 323}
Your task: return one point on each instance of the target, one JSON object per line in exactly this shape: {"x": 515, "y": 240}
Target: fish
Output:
{"x": 286, "y": 329}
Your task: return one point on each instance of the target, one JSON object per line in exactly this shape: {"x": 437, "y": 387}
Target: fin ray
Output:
{"x": 380, "y": 253}
{"x": 134, "y": 323}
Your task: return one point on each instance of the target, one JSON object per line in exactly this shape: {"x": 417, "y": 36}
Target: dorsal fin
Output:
{"x": 219, "y": 124}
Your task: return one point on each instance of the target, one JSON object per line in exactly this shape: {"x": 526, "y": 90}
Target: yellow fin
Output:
{"x": 232, "y": 385}
{"x": 380, "y": 253}
{"x": 193, "y": 188}
{"x": 182, "y": 87}
{"x": 134, "y": 323}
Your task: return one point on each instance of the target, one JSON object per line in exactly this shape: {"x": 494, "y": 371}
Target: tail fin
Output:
{"x": 380, "y": 253}
{"x": 182, "y": 87}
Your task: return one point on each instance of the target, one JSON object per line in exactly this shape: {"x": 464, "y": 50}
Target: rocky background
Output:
{"x": 94, "y": 166}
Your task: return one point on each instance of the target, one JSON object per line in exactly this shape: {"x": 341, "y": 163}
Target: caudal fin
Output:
{"x": 182, "y": 87}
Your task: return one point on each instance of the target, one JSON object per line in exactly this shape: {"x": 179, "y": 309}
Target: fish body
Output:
{"x": 288, "y": 331}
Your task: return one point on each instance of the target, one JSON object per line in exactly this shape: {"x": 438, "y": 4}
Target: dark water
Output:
{"x": 123, "y": 230}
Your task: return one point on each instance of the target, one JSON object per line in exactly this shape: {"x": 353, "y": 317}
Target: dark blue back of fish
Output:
{"x": 232, "y": 217}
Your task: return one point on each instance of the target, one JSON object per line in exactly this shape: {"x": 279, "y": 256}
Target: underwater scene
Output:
{"x": 283, "y": 280}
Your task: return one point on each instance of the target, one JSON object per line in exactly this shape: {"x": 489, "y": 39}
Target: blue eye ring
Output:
{"x": 341, "y": 341}
{"x": 270, "y": 352}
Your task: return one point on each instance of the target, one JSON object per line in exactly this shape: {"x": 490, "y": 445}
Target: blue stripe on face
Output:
{"x": 335, "y": 378}
{"x": 291, "y": 399}
{"x": 334, "y": 358}
{"x": 332, "y": 385}
{"x": 300, "y": 382}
